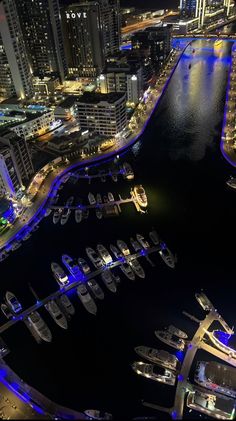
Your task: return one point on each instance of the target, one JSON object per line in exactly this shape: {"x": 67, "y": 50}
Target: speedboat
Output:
{"x": 78, "y": 215}
{"x": 65, "y": 216}
{"x": 135, "y": 244}
{"x": 95, "y": 259}
{"x": 6, "y": 311}
{"x": 170, "y": 339}
{"x": 57, "y": 216}
{"x": 99, "y": 214}
{"x": 59, "y": 274}
{"x": 103, "y": 252}
{"x": 111, "y": 197}
{"x": 12, "y": 302}
{"x": 204, "y": 301}
{"x": 116, "y": 252}
{"x": 99, "y": 198}
{"x": 84, "y": 266}
{"x": 126, "y": 269}
{"x": 96, "y": 289}
{"x": 231, "y": 182}
{"x": 123, "y": 247}
{"x": 114, "y": 177}
{"x": 177, "y": 332}
{"x": 95, "y": 414}
{"x": 86, "y": 299}
{"x": 39, "y": 326}
{"x": 70, "y": 201}
{"x": 56, "y": 314}
{"x": 167, "y": 256}
{"x": 144, "y": 243}
{"x": 67, "y": 304}
{"x": 150, "y": 371}
{"x": 71, "y": 265}
{"x": 156, "y": 356}
{"x": 154, "y": 237}
{"x": 108, "y": 280}
{"x": 140, "y": 196}
{"x": 137, "y": 268}
{"x": 91, "y": 199}
{"x": 127, "y": 171}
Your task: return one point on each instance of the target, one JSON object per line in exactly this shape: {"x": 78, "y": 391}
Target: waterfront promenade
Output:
{"x": 228, "y": 144}
{"x": 33, "y": 213}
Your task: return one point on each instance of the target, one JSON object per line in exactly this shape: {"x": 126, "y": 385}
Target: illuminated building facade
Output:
{"x": 122, "y": 78}
{"x": 102, "y": 113}
{"x": 13, "y": 52}
{"x": 9, "y": 179}
{"x": 35, "y": 124}
{"x": 41, "y": 26}
{"x": 205, "y": 11}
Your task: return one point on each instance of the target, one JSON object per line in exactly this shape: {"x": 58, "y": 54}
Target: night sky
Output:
{"x": 154, "y": 4}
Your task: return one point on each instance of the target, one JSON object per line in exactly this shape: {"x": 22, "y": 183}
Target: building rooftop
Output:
{"x": 68, "y": 102}
{"x": 95, "y": 98}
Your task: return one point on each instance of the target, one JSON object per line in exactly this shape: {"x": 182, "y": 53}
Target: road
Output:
{"x": 134, "y": 27}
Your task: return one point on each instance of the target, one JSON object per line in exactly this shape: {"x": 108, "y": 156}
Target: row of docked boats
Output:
{"x": 162, "y": 365}
{"x": 57, "y": 310}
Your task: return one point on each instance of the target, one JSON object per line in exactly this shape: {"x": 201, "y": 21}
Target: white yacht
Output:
{"x": 111, "y": 197}
{"x": 39, "y": 326}
{"x": 95, "y": 414}
{"x": 59, "y": 274}
{"x": 84, "y": 266}
{"x": 65, "y": 216}
{"x": 177, "y": 332}
{"x": 204, "y": 301}
{"x": 231, "y": 182}
{"x": 156, "y": 356}
{"x": 108, "y": 280}
{"x": 135, "y": 244}
{"x": 71, "y": 265}
{"x": 91, "y": 199}
{"x": 86, "y": 299}
{"x": 12, "y": 302}
{"x": 167, "y": 256}
{"x": 96, "y": 289}
{"x": 150, "y": 371}
{"x": 144, "y": 243}
{"x": 67, "y": 304}
{"x": 117, "y": 253}
{"x": 170, "y": 339}
{"x": 99, "y": 198}
{"x": 124, "y": 267}
{"x": 154, "y": 237}
{"x": 123, "y": 247}
{"x": 104, "y": 254}
{"x": 137, "y": 268}
{"x": 57, "y": 215}
{"x": 140, "y": 196}
{"x": 56, "y": 314}
{"x": 95, "y": 259}
{"x": 78, "y": 215}
{"x": 6, "y": 311}
{"x": 127, "y": 171}
{"x": 99, "y": 214}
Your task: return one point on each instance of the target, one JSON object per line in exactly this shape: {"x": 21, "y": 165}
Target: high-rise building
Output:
{"x": 9, "y": 179}
{"x": 92, "y": 33}
{"x": 102, "y": 113}
{"x": 6, "y": 83}
{"x": 206, "y": 11}
{"x": 188, "y": 8}
{"x": 13, "y": 56}
{"x": 41, "y": 26}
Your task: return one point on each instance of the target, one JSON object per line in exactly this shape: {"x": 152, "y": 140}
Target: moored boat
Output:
{"x": 110, "y": 197}
{"x": 67, "y": 304}
{"x": 78, "y": 215}
{"x": 123, "y": 247}
{"x": 86, "y": 299}
{"x": 152, "y": 372}
{"x": 167, "y": 256}
{"x": 135, "y": 244}
{"x": 59, "y": 274}
{"x": 13, "y": 302}
{"x": 91, "y": 199}
{"x": 144, "y": 243}
{"x": 137, "y": 268}
{"x": 39, "y": 326}
{"x": 99, "y": 214}
{"x": 57, "y": 215}
{"x": 95, "y": 258}
{"x": 96, "y": 289}
{"x": 56, "y": 314}
{"x": 156, "y": 356}
{"x": 154, "y": 237}
{"x": 108, "y": 280}
{"x": 6, "y": 311}
{"x": 84, "y": 266}
{"x": 71, "y": 265}
{"x": 127, "y": 171}
{"x": 104, "y": 254}
{"x": 99, "y": 198}
{"x": 96, "y": 414}
{"x": 65, "y": 216}
{"x": 177, "y": 332}
{"x": 170, "y": 339}
{"x": 140, "y": 196}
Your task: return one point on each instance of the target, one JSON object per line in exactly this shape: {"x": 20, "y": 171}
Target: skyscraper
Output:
{"x": 41, "y": 26}
{"x": 92, "y": 31}
{"x": 188, "y": 8}
{"x": 13, "y": 56}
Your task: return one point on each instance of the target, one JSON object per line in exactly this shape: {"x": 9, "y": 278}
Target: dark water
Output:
{"x": 179, "y": 163}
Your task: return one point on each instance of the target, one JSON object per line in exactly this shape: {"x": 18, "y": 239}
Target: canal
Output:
{"x": 179, "y": 163}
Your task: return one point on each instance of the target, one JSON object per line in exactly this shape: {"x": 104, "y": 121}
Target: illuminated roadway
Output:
{"x": 134, "y": 27}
